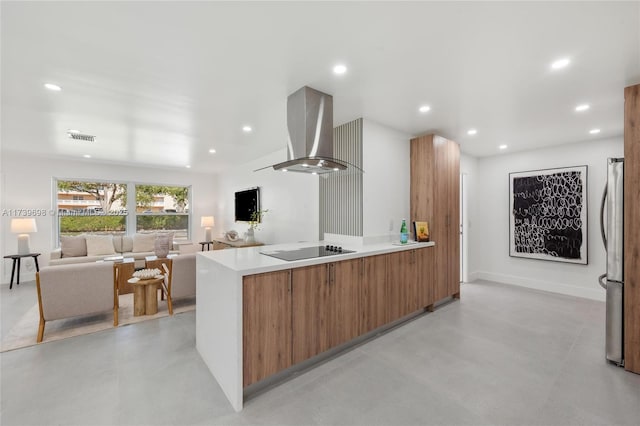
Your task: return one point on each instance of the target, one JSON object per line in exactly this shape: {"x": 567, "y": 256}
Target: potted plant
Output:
{"x": 256, "y": 218}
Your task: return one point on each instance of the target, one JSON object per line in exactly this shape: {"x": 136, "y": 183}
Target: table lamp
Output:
{"x": 207, "y": 222}
{"x": 23, "y": 227}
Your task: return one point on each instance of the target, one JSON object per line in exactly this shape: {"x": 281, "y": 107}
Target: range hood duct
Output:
{"x": 310, "y": 135}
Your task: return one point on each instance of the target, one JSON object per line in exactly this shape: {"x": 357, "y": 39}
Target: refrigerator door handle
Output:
{"x": 601, "y": 281}
{"x": 603, "y": 204}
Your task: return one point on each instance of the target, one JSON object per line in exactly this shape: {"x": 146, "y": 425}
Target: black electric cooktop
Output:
{"x": 307, "y": 252}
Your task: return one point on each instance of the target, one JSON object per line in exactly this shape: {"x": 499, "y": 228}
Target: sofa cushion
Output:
{"x": 127, "y": 244}
{"x": 117, "y": 243}
{"x": 99, "y": 244}
{"x": 144, "y": 242}
{"x": 73, "y": 246}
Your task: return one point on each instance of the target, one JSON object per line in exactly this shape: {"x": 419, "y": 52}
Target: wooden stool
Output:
{"x": 145, "y": 296}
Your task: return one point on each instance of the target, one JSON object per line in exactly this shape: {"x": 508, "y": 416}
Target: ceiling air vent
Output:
{"x": 81, "y": 136}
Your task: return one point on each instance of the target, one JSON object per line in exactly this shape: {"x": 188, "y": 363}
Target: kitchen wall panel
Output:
{"x": 341, "y": 192}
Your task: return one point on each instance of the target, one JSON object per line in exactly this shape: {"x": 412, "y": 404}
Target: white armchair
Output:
{"x": 79, "y": 289}
{"x": 180, "y": 281}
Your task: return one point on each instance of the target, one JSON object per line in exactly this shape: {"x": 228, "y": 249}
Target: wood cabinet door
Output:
{"x": 266, "y": 315}
{"x": 402, "y": 284}
{"x": 344, "y": 294}
{"x": 310, "y": 312}
{"x": 425, "y": 274}
{"x": 375, "y": 312}
{"x": 440, "y": 229}
{"x": 422, "y": 180}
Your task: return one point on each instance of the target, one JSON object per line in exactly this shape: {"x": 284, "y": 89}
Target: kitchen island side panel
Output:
{"x": 219, "y": 325}
{"x": 632, "y": 229}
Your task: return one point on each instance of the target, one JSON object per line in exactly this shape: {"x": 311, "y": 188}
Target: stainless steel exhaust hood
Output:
{"x": 310, "y": 129}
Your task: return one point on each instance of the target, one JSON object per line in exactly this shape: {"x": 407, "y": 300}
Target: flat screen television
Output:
{"x": 247, "y": 203}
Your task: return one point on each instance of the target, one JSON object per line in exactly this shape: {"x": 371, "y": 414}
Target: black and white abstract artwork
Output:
{"x": 548, "y": 214}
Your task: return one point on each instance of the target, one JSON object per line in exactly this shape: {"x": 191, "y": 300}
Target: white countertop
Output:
{"x": 248, "y": 261}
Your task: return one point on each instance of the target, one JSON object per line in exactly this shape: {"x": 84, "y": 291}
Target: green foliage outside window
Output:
{"x": 72, "y": 225}
{"x": 164, "y": 222}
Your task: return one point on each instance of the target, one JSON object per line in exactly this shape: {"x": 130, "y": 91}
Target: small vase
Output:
{"x": 250, "y": 236}
{"x": 161, "y": 247}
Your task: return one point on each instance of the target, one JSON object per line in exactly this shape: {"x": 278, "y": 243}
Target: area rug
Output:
{"x": 25, "y": 332}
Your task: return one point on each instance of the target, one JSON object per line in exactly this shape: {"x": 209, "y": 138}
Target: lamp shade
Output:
{"x": 23, "y": 225}
{"x": 206, "y": 221}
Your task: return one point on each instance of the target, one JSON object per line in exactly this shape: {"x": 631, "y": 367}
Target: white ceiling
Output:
{"x": 160, "y": 83}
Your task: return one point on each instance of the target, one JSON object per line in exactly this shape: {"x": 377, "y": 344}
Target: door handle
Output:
{"x": 602, "y": 206}
{"x": 601, "y": 282}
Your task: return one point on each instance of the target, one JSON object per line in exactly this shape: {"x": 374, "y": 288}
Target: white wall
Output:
{"x": 28, "y": 184}
{"x": 291, "y": 198}
{"x": 489, "y": 233}
{"x": 469, "y": 169}
{"x": 386, "y": 180}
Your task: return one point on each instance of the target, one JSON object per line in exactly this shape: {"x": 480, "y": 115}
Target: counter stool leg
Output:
{"x": 13, "y": 272}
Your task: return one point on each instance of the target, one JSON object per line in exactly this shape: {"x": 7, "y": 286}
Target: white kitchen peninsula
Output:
{"x": 219, "y": 302}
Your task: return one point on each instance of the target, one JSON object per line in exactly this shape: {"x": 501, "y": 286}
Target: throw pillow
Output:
{"x": 73, "y": 246}
{"x": 144, "y": 242}
{"x": 99, "y": 244}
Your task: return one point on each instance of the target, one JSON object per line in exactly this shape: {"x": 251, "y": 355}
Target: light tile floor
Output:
{"x": 502, "y": 355}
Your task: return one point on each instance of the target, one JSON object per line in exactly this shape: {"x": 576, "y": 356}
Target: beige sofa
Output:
{"x": 71, "y": 251}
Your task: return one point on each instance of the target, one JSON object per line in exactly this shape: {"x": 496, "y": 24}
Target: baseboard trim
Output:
{"x": 24, "y": 277}
{"x": 553, "y": 287}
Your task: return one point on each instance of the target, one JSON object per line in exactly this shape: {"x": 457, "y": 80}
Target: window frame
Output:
{"x": 136, "y": 214}
{"x": 131, "y": 217}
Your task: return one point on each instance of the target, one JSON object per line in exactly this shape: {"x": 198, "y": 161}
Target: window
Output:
{"x": 91, "y": 207}
{"x": 88, "y": 207}
{"x": 163, "y": 208}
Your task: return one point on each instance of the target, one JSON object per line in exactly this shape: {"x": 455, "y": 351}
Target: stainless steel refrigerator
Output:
{"x": 612, "y": 229}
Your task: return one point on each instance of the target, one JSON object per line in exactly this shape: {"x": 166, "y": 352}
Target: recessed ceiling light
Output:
{"x": 582, "y": 107}
{"x": 560, "y": 63}
{"x": 305, "y": 165}
{"x": 339, "y": 69}
{"x": 247, "y": 129}
{"x": 424, "y": 108}
{"x": 594, "y": 131}
{"x": 285, "y": 170}
{"x": 73, "y": 131}
{"x": 212, "y": 151}
{"x": 502, "y": 147}
{"x": 336, "y": 169}
{"x": 313, "y": 173}
{"x": 472, "y": 132}
{"x": 53, "y": 87}
{"x": 188, "y": 166}
{"x": 86, "y": 156}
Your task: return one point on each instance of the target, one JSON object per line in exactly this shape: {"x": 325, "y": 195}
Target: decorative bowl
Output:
{"x": 147, "y": 274}
{"x": 232, "y": 236}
